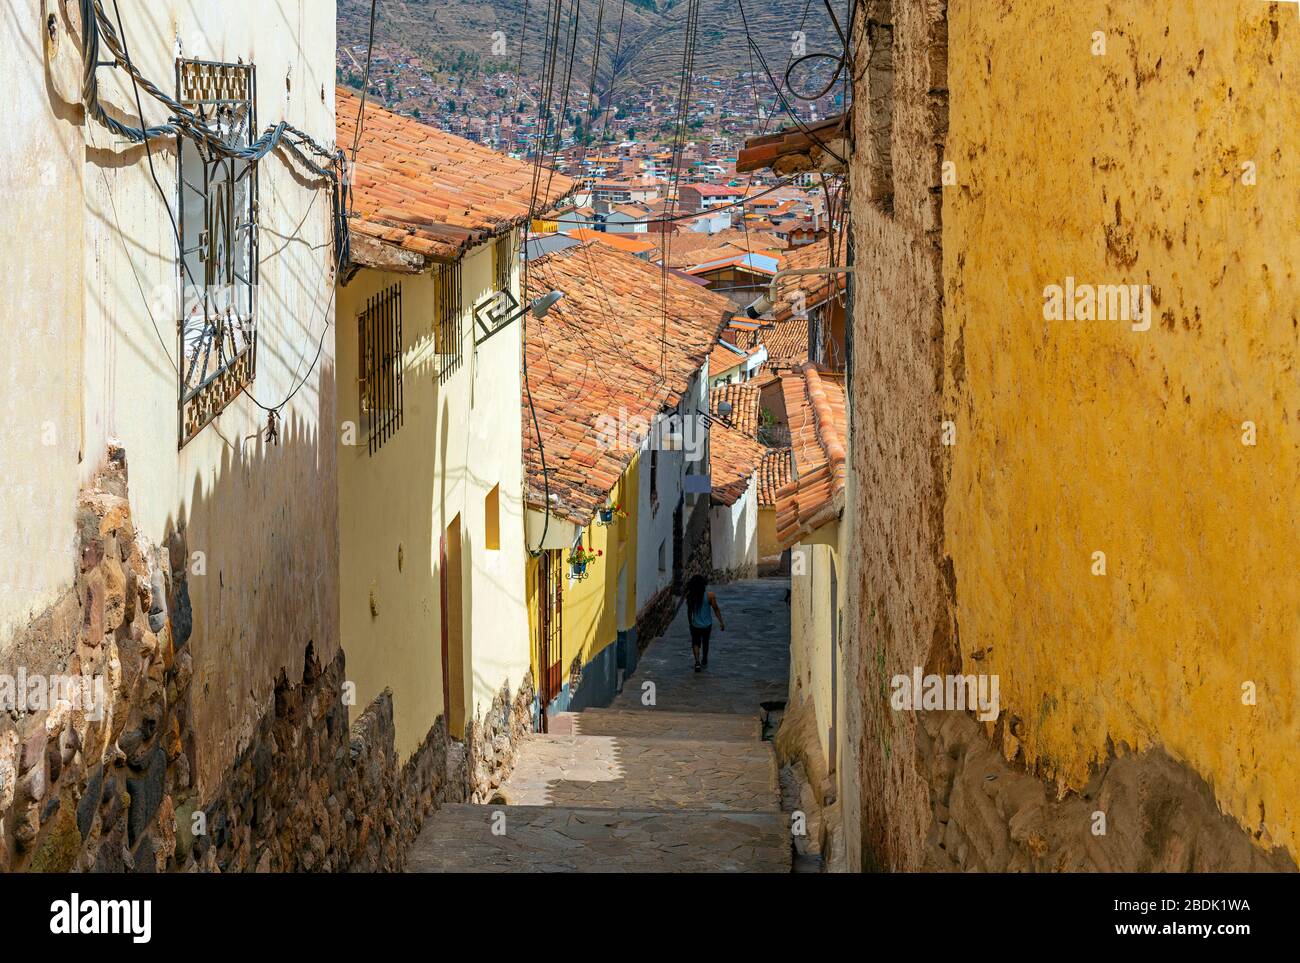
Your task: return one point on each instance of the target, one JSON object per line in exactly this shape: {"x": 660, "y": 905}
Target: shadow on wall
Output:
{"x": 258, "y": 545}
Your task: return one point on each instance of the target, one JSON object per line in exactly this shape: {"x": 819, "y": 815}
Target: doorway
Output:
{"x": 450, "y": 576}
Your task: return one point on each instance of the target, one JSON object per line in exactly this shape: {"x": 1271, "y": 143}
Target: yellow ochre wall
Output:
{"x": 590, "y": 620}
{"x": 459, "y": 439}
{"x": 1075, "y": 437}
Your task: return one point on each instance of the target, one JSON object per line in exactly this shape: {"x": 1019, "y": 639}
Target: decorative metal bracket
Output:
{"x": 493, "y": 314}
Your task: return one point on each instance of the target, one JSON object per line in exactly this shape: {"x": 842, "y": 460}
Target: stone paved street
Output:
{"x": 683, "y": 785}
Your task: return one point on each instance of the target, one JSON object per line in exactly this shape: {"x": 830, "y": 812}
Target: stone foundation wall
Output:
{"x": 493, "y": 740}
{"x": 105, "y": 784}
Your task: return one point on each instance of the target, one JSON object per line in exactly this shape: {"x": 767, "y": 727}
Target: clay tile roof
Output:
{"x": 628, "y": 243}
{"x": 734, "y": 457}
{"x": 814, "y": 402}
{"x": 816, "y": 289}
{"x": 724, "y": 357}
{"x": 744, "y": 400}
{"x": 596, "y": 356}
{"x": 429, "y": 192}
{"x": 773, "y": 474}
{"x": 787, "y": 342}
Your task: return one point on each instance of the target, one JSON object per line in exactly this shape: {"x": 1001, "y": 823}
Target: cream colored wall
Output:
{"x": 458, "y": 440}
{"x": 811, "y": 618}
{"x": 96, "y": 250}
{"x": 41, "y": 160}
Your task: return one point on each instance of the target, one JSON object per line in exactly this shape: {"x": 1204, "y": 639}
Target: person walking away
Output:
{"x": 701, "y": 606}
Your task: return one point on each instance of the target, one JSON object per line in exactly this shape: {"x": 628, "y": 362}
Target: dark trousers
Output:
{"x": 700, "y": 638}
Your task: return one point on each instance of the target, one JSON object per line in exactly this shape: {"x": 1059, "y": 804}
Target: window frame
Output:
{"x": 380, "y": 394}
{"x": 448, "y": 318}
{"x": 229, "y": 89}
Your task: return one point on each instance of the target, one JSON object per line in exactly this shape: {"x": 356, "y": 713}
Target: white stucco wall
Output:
{"x": 734, "y": 532}
{"x": 41, "y": 160}
{"x": 656, "y": 523}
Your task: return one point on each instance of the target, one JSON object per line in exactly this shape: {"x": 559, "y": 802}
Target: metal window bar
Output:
{"x": 379, "y": 332}
{"x": 217, "y": 202}
{"x": 450, "y": 342}
{"x": 501, "y": 261}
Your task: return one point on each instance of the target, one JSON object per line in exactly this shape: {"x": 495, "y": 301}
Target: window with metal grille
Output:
{"x": 501, "y": 257}
{"x": 448, "y": 328}
{"x": 218, "y": 236}
{"x": 379, "y": 359}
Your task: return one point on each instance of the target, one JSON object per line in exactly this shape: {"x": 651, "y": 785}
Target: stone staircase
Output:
{"x": 685, "y": 784}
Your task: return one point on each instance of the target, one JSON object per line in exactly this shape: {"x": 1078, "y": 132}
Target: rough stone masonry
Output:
{"x": 108, "y": 787}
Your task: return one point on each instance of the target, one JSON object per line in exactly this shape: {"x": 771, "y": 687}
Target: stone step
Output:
{"x": 551, "y": 839}
{"x": 629, "y": 773}
{"x": 659, "y": 724}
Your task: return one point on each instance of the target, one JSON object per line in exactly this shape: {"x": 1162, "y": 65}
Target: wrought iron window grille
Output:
{"x": 218, "y": 263}
{"x": 449, "y": 336}
{"x": 379, "y": 360}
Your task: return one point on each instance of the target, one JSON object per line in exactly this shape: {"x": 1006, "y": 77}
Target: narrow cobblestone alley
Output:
{"x": 685, "y": 783}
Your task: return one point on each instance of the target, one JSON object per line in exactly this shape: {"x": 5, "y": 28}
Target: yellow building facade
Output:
{"x": 1124, "y": 501}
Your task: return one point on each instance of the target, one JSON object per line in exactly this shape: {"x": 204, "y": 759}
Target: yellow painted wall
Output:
{"x": 1079, "y": 437}
{"x": 768, "y": 544}
{"x": 459, "y": 440}
{"x": 591, "y": 619}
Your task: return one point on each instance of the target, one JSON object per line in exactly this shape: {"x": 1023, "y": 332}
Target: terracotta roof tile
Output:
{"x": 430, "y": 192}
{"x": 734, "y": 457}
{"x": 815, "y": 410}
{"x": 630, "y": 243}
{"x": 744, "y": 400}
{"x": 773, "y": 474}
{"x": 594, "y": 364}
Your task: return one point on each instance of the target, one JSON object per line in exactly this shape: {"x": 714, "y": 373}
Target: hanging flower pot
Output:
{"x": 579, "y": 559}
{"x": 609, "y": 513}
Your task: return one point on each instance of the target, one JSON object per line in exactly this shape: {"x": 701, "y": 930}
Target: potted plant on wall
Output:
{"x": 610, "y": 512}
{"x": 580, "y": 558}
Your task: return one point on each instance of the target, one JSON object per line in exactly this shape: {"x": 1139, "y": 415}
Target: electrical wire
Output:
{"x": 97, "y": 27}
{"x": 785, "y": 104}
{"x": 365, "y": 91}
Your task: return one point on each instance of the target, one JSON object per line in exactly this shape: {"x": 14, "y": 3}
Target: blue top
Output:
{"x": 701, "y": 618}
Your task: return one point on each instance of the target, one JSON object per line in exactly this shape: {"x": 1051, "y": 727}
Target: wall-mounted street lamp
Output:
{"x": 766, "y": 302}
{"x": 488, "y": 325}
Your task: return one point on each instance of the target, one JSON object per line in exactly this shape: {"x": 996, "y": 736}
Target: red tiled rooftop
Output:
{"x": 815, "y": 411}
{"x": 734, "y": 457}
{"x": 744, "y": 400}
{"x": 595, "y": 360}
{"x": 774, "y": 474}
{"x": 429, "y": 192}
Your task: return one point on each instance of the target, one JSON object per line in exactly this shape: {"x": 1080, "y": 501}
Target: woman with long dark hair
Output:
{"x": 699, "y": 601}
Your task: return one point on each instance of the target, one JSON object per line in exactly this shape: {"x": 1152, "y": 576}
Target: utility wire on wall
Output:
{"x": 97, "y": 29}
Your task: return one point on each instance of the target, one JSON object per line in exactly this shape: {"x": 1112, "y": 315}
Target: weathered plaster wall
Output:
{"x": 899, "y": 614}
{"x": 1082, "y": 436}
{"x": 1121, "y": 691}
{"x": 41, "y": 161}
{"x": 98, "y": 259}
